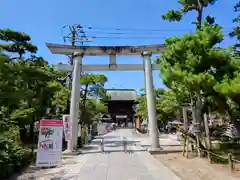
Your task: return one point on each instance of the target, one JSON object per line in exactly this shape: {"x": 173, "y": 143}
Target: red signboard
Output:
{"x": 51, "y": 122}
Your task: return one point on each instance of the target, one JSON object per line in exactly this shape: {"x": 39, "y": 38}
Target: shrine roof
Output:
{"x": 122, "y": 94}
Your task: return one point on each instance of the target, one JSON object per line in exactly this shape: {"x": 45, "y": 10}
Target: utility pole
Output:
{"x": 70, "y": 61}
{"x": 75, "y": 36}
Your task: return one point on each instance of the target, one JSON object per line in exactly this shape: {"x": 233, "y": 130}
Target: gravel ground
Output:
{"x": 197, "y": 168}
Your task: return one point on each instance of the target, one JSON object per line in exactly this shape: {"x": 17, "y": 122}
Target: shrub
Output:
{"x": 12, "y": 155}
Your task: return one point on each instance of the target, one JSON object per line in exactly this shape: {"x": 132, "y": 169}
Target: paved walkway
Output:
{"x": 114, "y": 164}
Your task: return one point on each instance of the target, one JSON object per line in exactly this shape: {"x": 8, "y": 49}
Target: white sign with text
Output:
{"x": 49, "y": 152}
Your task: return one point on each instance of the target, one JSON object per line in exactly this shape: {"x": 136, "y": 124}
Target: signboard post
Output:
{"x": 49, "y": 152}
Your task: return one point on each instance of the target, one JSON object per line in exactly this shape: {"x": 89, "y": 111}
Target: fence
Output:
{"x": 229, "y": 158}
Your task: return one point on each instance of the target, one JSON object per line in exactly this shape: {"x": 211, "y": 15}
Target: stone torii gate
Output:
{"x": 111, "y": 51}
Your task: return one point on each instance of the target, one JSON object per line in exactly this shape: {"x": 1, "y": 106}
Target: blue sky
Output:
{"x": 43, "y": 21}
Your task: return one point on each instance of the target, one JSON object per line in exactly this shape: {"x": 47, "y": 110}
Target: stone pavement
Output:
{"x": 168, "y": 142}
{"x": 114, "y": 164}
{"x": 164, "y": 140}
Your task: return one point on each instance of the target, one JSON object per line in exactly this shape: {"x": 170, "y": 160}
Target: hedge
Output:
{"x": 13, "y": 157}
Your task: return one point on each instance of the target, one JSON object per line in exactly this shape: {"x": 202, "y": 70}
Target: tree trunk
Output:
{"x": 199, "y": 115}
{"x": 32, "y": 135}
{"x": 23, "y": 135}
{"x": 200, "y": 14}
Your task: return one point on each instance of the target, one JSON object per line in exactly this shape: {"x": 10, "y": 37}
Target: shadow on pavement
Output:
{"x": 167, "y": 145}
{"x": 33, "y": 172}
{"x": 113, "y": 151}
{"x": 105, "y": 137}
{"x": 89, "y": 147}
{"x": 114, "y": 142}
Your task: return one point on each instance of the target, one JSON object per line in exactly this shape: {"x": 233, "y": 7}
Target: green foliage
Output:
{"x": 193, "y": 66}
{"x": 141, "y": 107}
{"x": 60, "y": 96}
{"x": 28, "y": 87}
{"x": 19, "y": 42}
{"x": 236, "y": 30}
{"x": 167, "y": 106}
{"x": 12, "y": 155}
{"x": 198, "y": 68}
{"x": 93, "y": 87}
{"x": 93, "y": 110}
{"x": 191, "y": 60}
{"x": 187, "y": 6}
{"x": 172, "y": 15}
{"x": 93, "y": 79}
{"x": 230, "y": 87}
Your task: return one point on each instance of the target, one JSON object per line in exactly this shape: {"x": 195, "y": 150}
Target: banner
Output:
{"x": 79, "y": 130}
{"x": 67, "y": 128}
{"x": 49, "y": 152}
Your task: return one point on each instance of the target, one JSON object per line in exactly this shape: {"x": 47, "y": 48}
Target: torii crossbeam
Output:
{"x": 111, "y": 51}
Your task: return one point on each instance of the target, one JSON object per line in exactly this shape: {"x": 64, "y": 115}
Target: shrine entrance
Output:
{"x": 122, "y": 120}
{"x": 120, "y": 106}
{"x": 79, "y": 52}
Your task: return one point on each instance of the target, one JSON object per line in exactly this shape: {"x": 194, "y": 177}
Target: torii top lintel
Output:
{"x": 105, "y": 50}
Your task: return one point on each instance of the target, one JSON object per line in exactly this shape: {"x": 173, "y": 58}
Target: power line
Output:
{"x": 139, "y": 29}
{"x": 92, "y": 33}
{"x": 102, "y": 33}
{"x": 131, "y": 37}
{"x": 78, "y": 34}
{"x": 121, "y": 33}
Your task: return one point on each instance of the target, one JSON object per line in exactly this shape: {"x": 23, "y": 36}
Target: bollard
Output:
{"x": 102, "y": 145}
{"x": 209, "y": 156}
{"x": 230, "y": 162}
{"x": 125, "y": 145}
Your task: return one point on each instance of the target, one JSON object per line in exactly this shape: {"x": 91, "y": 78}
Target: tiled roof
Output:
{"x": 122, "y": 94}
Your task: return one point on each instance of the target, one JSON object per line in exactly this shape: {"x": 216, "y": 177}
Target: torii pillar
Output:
{"x": 151, "y": 103}
{"x": 74, "y": 103}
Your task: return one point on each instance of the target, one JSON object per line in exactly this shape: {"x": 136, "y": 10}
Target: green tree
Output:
{"x": 60, "y": 98}
{"x": 140, "y": 107}
{"x": 19, "y": 42}
{"x": 195, "y": 65}
{"x": 92, "y": 87}
{"x": 229, "y": 88}
{"x": 167, "y": 106}
{"x": 93, "y": 111}
{"x": 236, "y": 30}
{"x": 28, "y": 87}
{"x": 12, "y": 94}
{"x": 195, "y": 76}
{"x": 188, "y": 6}
{"x": 26, "y": 90}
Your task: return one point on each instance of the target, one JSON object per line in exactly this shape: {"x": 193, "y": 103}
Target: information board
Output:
{"x": 49, "y": 152}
